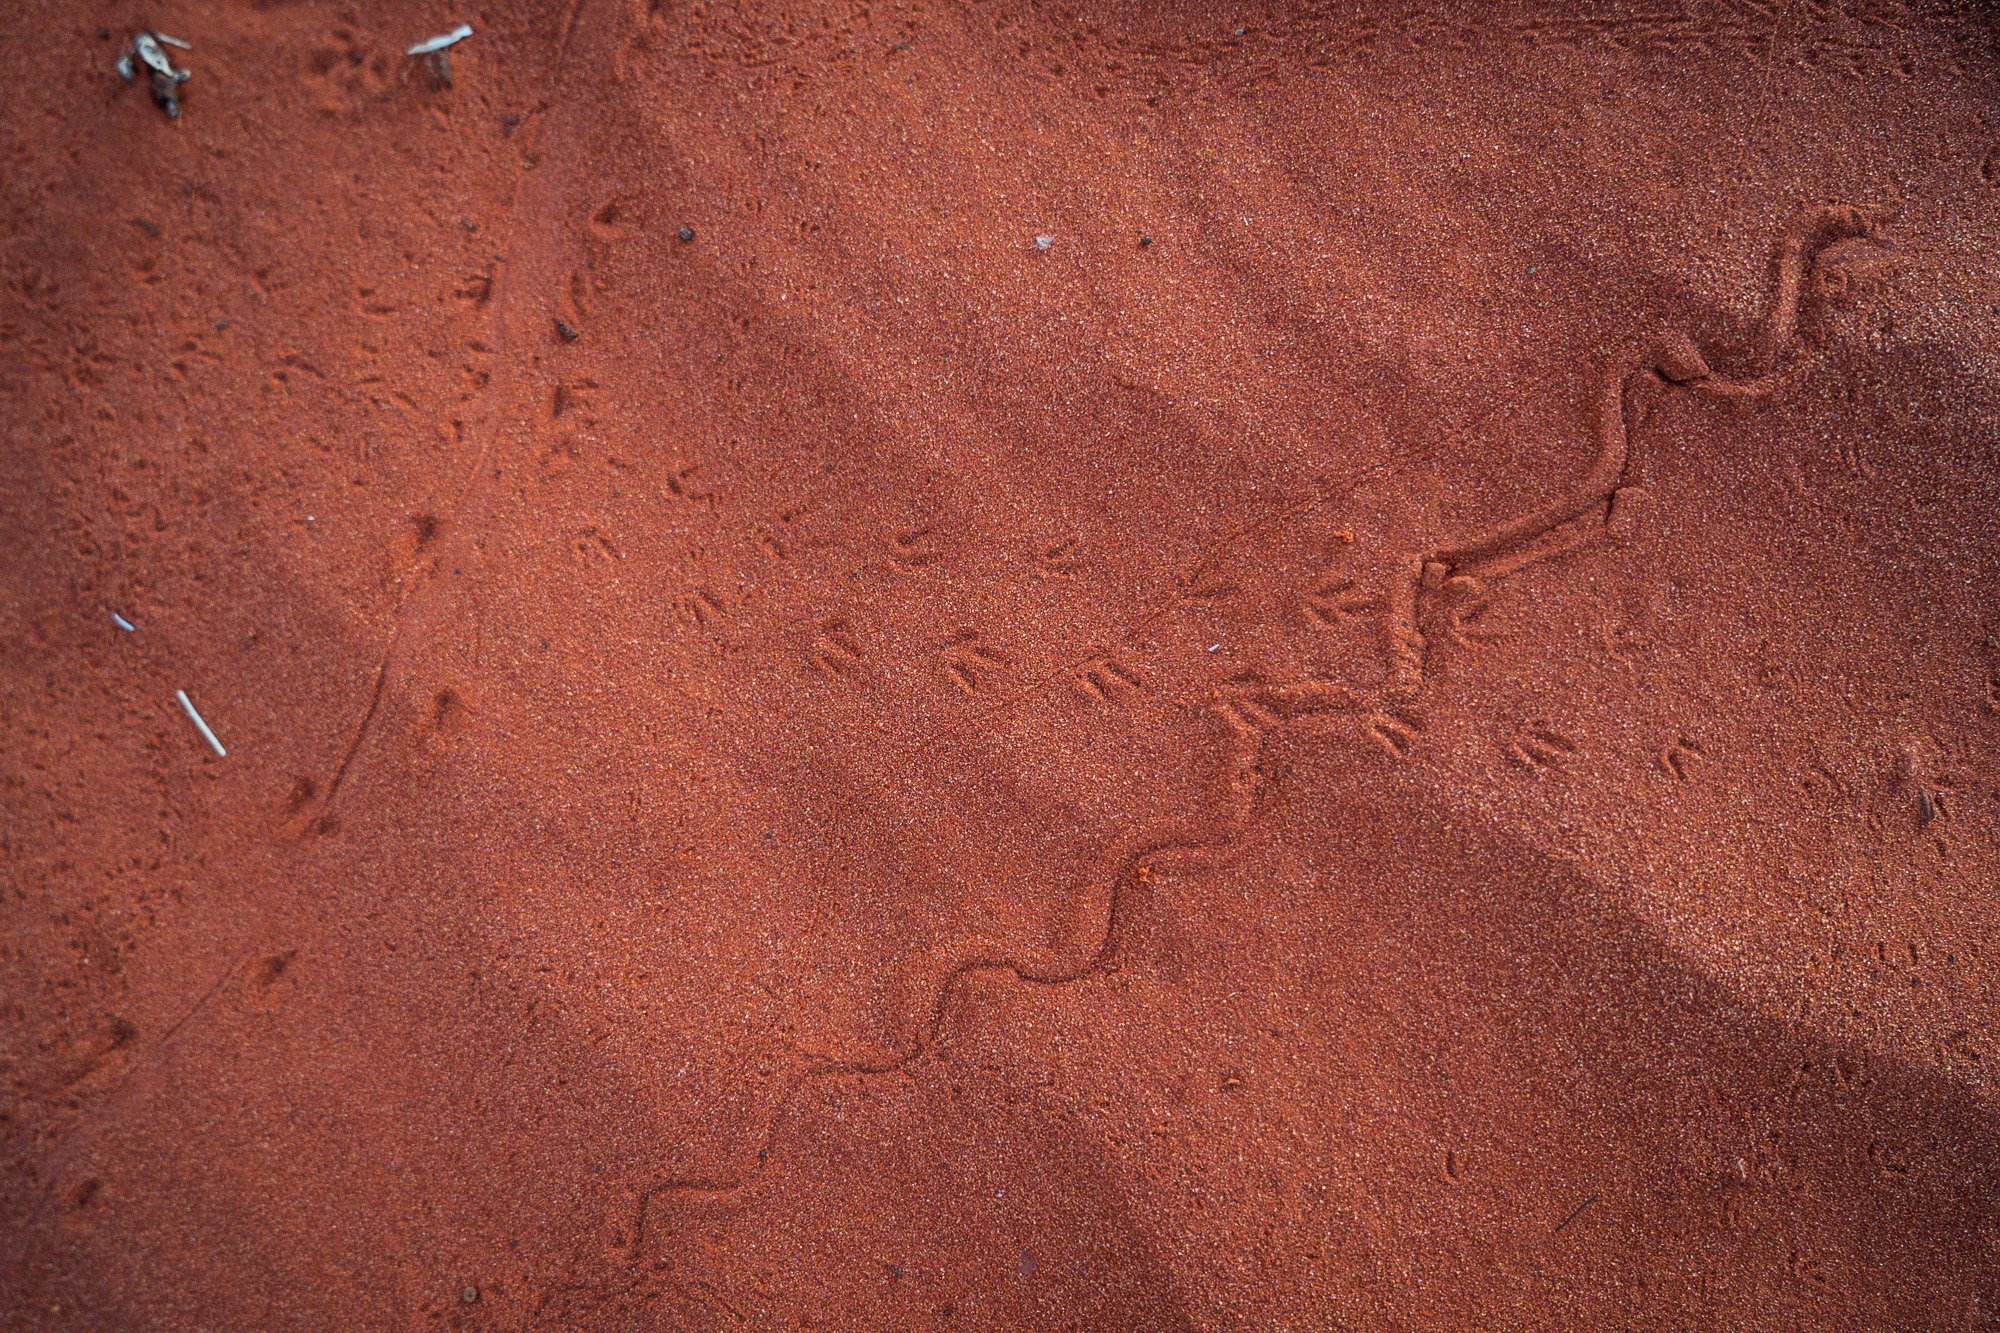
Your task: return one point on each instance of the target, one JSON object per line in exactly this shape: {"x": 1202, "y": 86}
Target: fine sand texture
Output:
{"x": 1000, "y": 665}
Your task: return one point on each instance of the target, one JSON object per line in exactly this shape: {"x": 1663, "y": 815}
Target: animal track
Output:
{"x": 1106, "y": 680}
{"x": 614, "y": 220}
{"x": 915, "y": 548}
{"x": 422, "y": 532}
{"x": 593, "y": 548}
{"x": 1465, "y": 611}
{"x": 1337, "y": 601}
{"x": 569, "y": 397}
{"x": 1060, "y": 561}
{"x": 1257, "y": 704}
{"x": 1589, "y": 508}
{"x": 700, "y": 606}
{"x": 776, "y": 537}
{"x": 1626, "y": 641}
{"x": 273, "y": 967}
{"x": 1200, "y": 587}
{"x": 445, "y": 721}
{"x": 1682, "y": 759}
{"x": 341, "y": 79}
{"x": 1395, "y": 730}
{"x": 835, "y": 650}
{"x": 1772, "y": 671}
{"x": 1445, "y": 585}
{"x": 1855, "y": 461}
{"x": 1538, "y": 749}
{"x": 683, "y": 483}
{"x": 972, "y": 665}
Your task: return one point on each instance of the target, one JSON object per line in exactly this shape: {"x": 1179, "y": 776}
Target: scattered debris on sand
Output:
{"x": 145, "y": 49}
{"x": 435, "y": 52}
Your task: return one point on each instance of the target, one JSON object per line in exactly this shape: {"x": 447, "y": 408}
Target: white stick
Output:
{"x": 200, "y": 725}
{"x": 122, "y": 623}
{"x": 452, "y": 38}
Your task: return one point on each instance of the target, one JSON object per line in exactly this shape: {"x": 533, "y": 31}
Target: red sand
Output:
{"x": 1418, "y": 751}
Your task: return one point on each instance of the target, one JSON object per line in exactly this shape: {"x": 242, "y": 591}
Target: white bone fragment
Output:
{"x": 199, "y": 725}
{"x": 452, "y": 38}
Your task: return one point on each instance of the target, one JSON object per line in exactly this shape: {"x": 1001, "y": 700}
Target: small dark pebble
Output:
{"x": 1145, "y": 241}
{"x": 569, "y": 335}
{"x": 1926, "y": 808}
{"x": 687, "y": 233}
{"x": 469, "y": 1296}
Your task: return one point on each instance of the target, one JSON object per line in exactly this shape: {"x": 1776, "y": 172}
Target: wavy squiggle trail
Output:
{"x": 1452, "y": 576}
{"x": 1443, "y": 586}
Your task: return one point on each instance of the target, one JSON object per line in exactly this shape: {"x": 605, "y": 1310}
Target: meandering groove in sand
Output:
{"x": 1440, "y": 579}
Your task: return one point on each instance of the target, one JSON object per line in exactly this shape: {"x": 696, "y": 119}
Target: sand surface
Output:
{"x": 1001, "y": 666}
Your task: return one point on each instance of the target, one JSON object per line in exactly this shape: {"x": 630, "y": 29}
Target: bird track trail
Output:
{"x": 538, "y": 191}
{"x": 538, "y": 185}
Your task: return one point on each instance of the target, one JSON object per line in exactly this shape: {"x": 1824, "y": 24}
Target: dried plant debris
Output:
{"x": 435, "y": 52}
{"x": 147, "y": 50}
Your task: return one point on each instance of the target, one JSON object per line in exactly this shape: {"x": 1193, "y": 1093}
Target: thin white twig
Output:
{"x": 452, "y": 38}
{"x": 200, "y": 725}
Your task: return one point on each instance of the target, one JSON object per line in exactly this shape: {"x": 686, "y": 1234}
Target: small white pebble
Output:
{"x": 122, "y": 623}
{"x": 1044, "y": 242}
